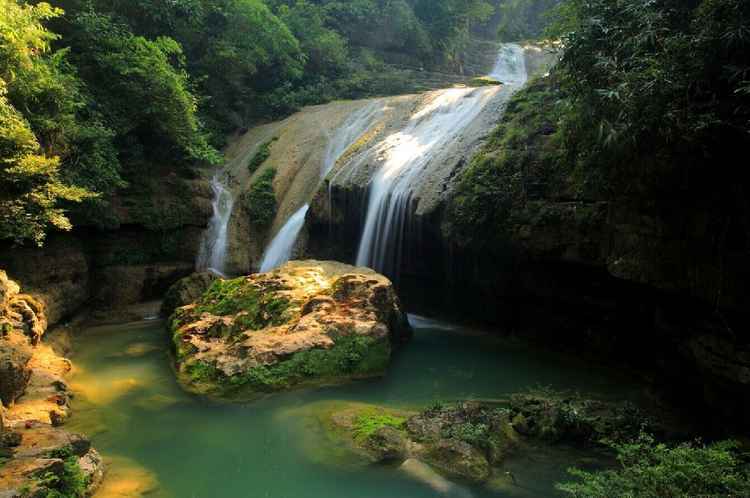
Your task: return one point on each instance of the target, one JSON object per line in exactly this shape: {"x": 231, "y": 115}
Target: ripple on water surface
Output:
{"x": 162, "y": 442}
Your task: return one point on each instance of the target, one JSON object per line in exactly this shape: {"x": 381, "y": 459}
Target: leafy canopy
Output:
{"x": 31, "y": 181}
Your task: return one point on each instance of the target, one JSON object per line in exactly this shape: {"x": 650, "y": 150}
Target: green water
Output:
{"x": 185, "y": 447}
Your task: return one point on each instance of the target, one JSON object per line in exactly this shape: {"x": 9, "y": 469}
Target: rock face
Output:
{"x": 306, "y": 323}
{"x": 186, "y": 291}
{"x": 38, "y": 457}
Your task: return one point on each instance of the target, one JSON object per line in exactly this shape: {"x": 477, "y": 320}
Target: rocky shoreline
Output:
{"x": 37, "y": 455}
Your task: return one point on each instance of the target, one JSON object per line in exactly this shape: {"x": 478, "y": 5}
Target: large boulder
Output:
{"x": 307, "y": 323}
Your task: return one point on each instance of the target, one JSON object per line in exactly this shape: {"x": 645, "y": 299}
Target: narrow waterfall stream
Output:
{"x": 411, "y": 152}
{"x": 213, "y": 251}
{"x": 279, "y": 251}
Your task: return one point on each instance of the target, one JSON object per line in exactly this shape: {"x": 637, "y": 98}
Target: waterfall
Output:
{"x": 213, "y": 251}
{"x": 510, "y": 67}
{"x": 409, "y": 153}
{"x": 279, "y": 251}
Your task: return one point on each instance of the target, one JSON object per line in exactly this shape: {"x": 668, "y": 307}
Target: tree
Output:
{"x": 122, "y": 69}
{"x": 31, "y": 182}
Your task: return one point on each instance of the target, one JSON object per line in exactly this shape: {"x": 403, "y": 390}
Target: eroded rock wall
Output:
{"x": 34, "y": 403}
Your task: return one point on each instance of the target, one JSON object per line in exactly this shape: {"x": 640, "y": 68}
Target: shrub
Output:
{"x": 260, "y": 202}
{"x": 649, "y": 469}
{"x": 263, "y": 153}
{"x": 71, "y": 483}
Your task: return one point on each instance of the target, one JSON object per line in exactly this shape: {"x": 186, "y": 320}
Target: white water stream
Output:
{"x": 408, "y": 154}
{"x": 279, "y": 251}
{"x": 213, "y": 251}
{"x": 510, "y": 67}
{"x": 411, "y": 152}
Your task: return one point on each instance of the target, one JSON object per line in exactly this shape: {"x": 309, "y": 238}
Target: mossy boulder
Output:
{"x": 307, "y": 323}
{"x": 466, "y": 441}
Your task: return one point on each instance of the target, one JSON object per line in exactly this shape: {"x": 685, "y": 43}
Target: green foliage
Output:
{"x": 121, "y": 68}
{"x": 262, "y": 154}
{"x": 71, "y": 483}
{"x": 350, "y": 356}
{"x": 368, "y": 423}
{"x": 653, "y": 77}
{"x": 449, "y": 23}
{"x": 524, "y": 19}
{"x": 260, "y": 201}
{"x": 32, "y": 185}
{"x": 654, "y": 470}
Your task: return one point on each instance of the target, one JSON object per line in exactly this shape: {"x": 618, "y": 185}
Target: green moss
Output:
{"x": 260, "y": 201}
{"x": 522, "y": 158}
{"x": 351, "y": 356}
{"x": 260, "y": 156}
{"x": 260, "y": 307}
{"x": 368, "y": 423}
{"x": 202, "y": 372}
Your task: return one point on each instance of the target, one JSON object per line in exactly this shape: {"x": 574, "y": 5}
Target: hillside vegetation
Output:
{"x": 105, "y": 95}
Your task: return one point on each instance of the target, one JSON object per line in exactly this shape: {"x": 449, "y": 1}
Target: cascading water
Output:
{"x": 280, "y": 249}
{"x": 510, "y": 67}
{"x": 213, "y": 252}
{"x": 408, "y": 155}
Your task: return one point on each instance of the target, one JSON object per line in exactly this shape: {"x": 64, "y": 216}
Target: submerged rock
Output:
{"x": 306, "y": 323}
{"x": 466, "y": 441}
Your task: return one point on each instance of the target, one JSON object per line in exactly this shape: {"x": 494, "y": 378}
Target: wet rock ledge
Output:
{"x": 38, "y": 458}
{"x": 307, "y": 323}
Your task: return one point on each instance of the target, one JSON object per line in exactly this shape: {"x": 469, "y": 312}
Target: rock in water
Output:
{"x": 306, "y": 323}
{"x": 424, "y": 473}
